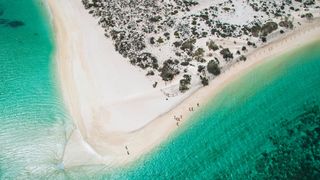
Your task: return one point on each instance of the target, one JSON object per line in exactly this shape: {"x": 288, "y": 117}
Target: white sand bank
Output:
{"x": 113, "y": 105}
{"x": 106, "y": 96}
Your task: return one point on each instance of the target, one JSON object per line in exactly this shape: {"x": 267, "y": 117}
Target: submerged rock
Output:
{"x": 4, "y": 21}
{"x": 15, "y": 24}
{"x": 295, "y": 153}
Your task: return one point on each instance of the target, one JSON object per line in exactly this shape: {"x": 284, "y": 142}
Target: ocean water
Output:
{"x": 33, "y": 121}
{"x": 263, "y": 125}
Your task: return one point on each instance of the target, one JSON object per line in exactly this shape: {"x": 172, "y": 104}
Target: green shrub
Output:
{"x": 213, "y": 68}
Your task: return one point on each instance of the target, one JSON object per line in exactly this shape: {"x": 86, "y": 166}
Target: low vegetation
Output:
{"x": 170, "y": 38}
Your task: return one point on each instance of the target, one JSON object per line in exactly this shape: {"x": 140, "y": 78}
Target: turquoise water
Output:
{"x": 264, "y": 125}
{"x": 32, "y": 117}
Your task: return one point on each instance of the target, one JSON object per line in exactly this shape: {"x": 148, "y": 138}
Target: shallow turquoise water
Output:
{"x": 32, "y": 117}
{"x": 264, "y": 125}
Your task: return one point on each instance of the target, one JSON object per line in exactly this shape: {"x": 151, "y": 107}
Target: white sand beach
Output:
{"x": 118, "y": 115}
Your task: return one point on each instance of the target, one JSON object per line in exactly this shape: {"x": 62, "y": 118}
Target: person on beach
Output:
{"x": 127, "y": 150}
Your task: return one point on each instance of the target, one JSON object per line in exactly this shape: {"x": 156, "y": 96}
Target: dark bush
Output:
{"x": 188, "y": 45}
{"x": 226, "y": 54}
{"x": 185, "y": 83}
{"x": 213, "y": 68}
{"x": 168, "y": 70}
{"x": 268, "y": 28}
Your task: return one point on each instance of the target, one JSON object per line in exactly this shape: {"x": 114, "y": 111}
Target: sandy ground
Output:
{"x": 118, "y": 115}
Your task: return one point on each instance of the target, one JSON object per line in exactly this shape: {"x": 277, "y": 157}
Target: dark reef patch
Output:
{"x": 1, "y": 10}
{"x": 11, "y": 24}
{"x": 15, "y": 24}
{"x": 3, "y": 21}
{"x": 296, "y": 149}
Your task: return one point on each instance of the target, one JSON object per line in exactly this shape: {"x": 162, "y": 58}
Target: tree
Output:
{"x": 168, "y": 71}
{"x": 155, "y": 19}
{"x": 212, "y": 46}
{"x": 152, "y": 40}
{"x": 286, "y": 23}
{"x": 201, "y": 68}
{"x": 160, "y": 40}
{"x": 188, "y": 45}
{"x": 184, "y": 83}
{"x": 243, "y": 58}
{"x": 198, "y": 54}
{"x": 268, "y": 28}
{"x": 176, "y": 34}
{"x": 226, "y": 53}
{"x": 309, "y": 16}
{"x": 213, "y": 68}
{"x": 204, "y": 81}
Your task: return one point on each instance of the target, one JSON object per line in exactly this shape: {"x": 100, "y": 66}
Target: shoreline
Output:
{"x": 90, "y": 144}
